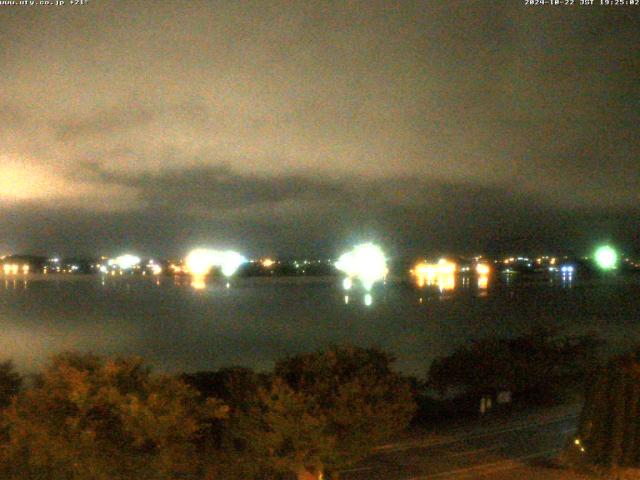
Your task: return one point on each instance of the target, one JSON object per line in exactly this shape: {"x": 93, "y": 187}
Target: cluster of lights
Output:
{"x": 14, "y": 268}
{"x": 518, "y": 260}
{"x": 154, "y": 267}
{"x": 268, "y": 263}
{"x": 441, "y": 274}
{"x": 175, "y": 268}
{"x": 200, "y": 261}
{"x": 125, "y": 262}
{"x": 365, "y": 263}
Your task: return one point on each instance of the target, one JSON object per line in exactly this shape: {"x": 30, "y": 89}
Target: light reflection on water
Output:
{"x": 255, "y": 321}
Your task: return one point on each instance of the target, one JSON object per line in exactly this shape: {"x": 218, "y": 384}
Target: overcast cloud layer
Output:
{"x": 300, "y": 127}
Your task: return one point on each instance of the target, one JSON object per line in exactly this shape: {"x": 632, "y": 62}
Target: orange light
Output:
{"x": 197, "y": 282}
{"x": 445, "y": 267}
{"x": 441, "y": 274}
{"x": 483, "y": 269}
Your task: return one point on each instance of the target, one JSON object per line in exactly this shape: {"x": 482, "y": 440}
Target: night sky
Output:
{"x": 300, "y": 128}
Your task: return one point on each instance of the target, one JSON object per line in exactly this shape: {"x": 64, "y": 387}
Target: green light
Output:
{"x": 606, "y": 257}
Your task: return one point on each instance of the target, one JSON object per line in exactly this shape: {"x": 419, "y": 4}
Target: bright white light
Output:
{"x": 606, "y": 257}
{"x": 156, "y": 269}
{"x": 200, "y": 261}
{"x": 127, "y": 261}
{"x": 365, "y": 262}
{"x": 347, "y": 283}
{"x": 368, "y": 299}
{"x": 367, "y": 285}
{"x": 229, "y": 262}
{"x": 567, "y": 269}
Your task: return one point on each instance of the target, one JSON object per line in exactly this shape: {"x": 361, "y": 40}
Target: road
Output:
{"x": 489, "y": 448}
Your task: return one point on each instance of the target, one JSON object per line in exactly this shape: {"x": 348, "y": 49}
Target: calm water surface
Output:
{"x": 256, "y": 321}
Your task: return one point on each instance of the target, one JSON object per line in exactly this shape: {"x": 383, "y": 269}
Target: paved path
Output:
{"x": 484, "y": 449}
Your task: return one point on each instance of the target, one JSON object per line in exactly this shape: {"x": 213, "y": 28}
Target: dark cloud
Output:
{"x": 298, "y": 215}
{"x": 454, "y": 125}
{"x": 217, "y": 188}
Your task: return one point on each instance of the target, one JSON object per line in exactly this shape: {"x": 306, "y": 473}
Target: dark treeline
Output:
{"x": 539, "y": 367}
{"x": 91, "y": 417}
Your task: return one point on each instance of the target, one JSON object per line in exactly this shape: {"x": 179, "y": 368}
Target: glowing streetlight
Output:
{"x": 606, "y": 257}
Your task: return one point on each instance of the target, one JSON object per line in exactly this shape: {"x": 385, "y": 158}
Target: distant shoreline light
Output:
{"x": 365, "y": 262}
{"x": 606, "y": 257}
{"x": 200, "y": 261}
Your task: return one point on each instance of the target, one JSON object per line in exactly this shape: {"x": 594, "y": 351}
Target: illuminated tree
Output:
{"x": 609, "y": 431}
{"x": 326, "y": 410}
{"x": 94, "y": 418}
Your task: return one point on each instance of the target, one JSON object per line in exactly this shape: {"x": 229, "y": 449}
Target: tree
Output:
{"x": 10, "y": 383}
{"x": 239, "y": 389}
{"x": 326, "y": 410}
{"x": 537, "y": 366}
{"x": 89, "y": 417}
{"x": 609, "y": 429}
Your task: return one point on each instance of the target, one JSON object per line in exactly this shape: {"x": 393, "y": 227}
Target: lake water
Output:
{"x": 258, "y": 320}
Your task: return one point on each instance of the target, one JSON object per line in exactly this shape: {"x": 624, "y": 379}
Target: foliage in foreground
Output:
{"x": 10, "y": 383}
{"x": 94, "y": 418}
{"x": 324, "y": 411}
